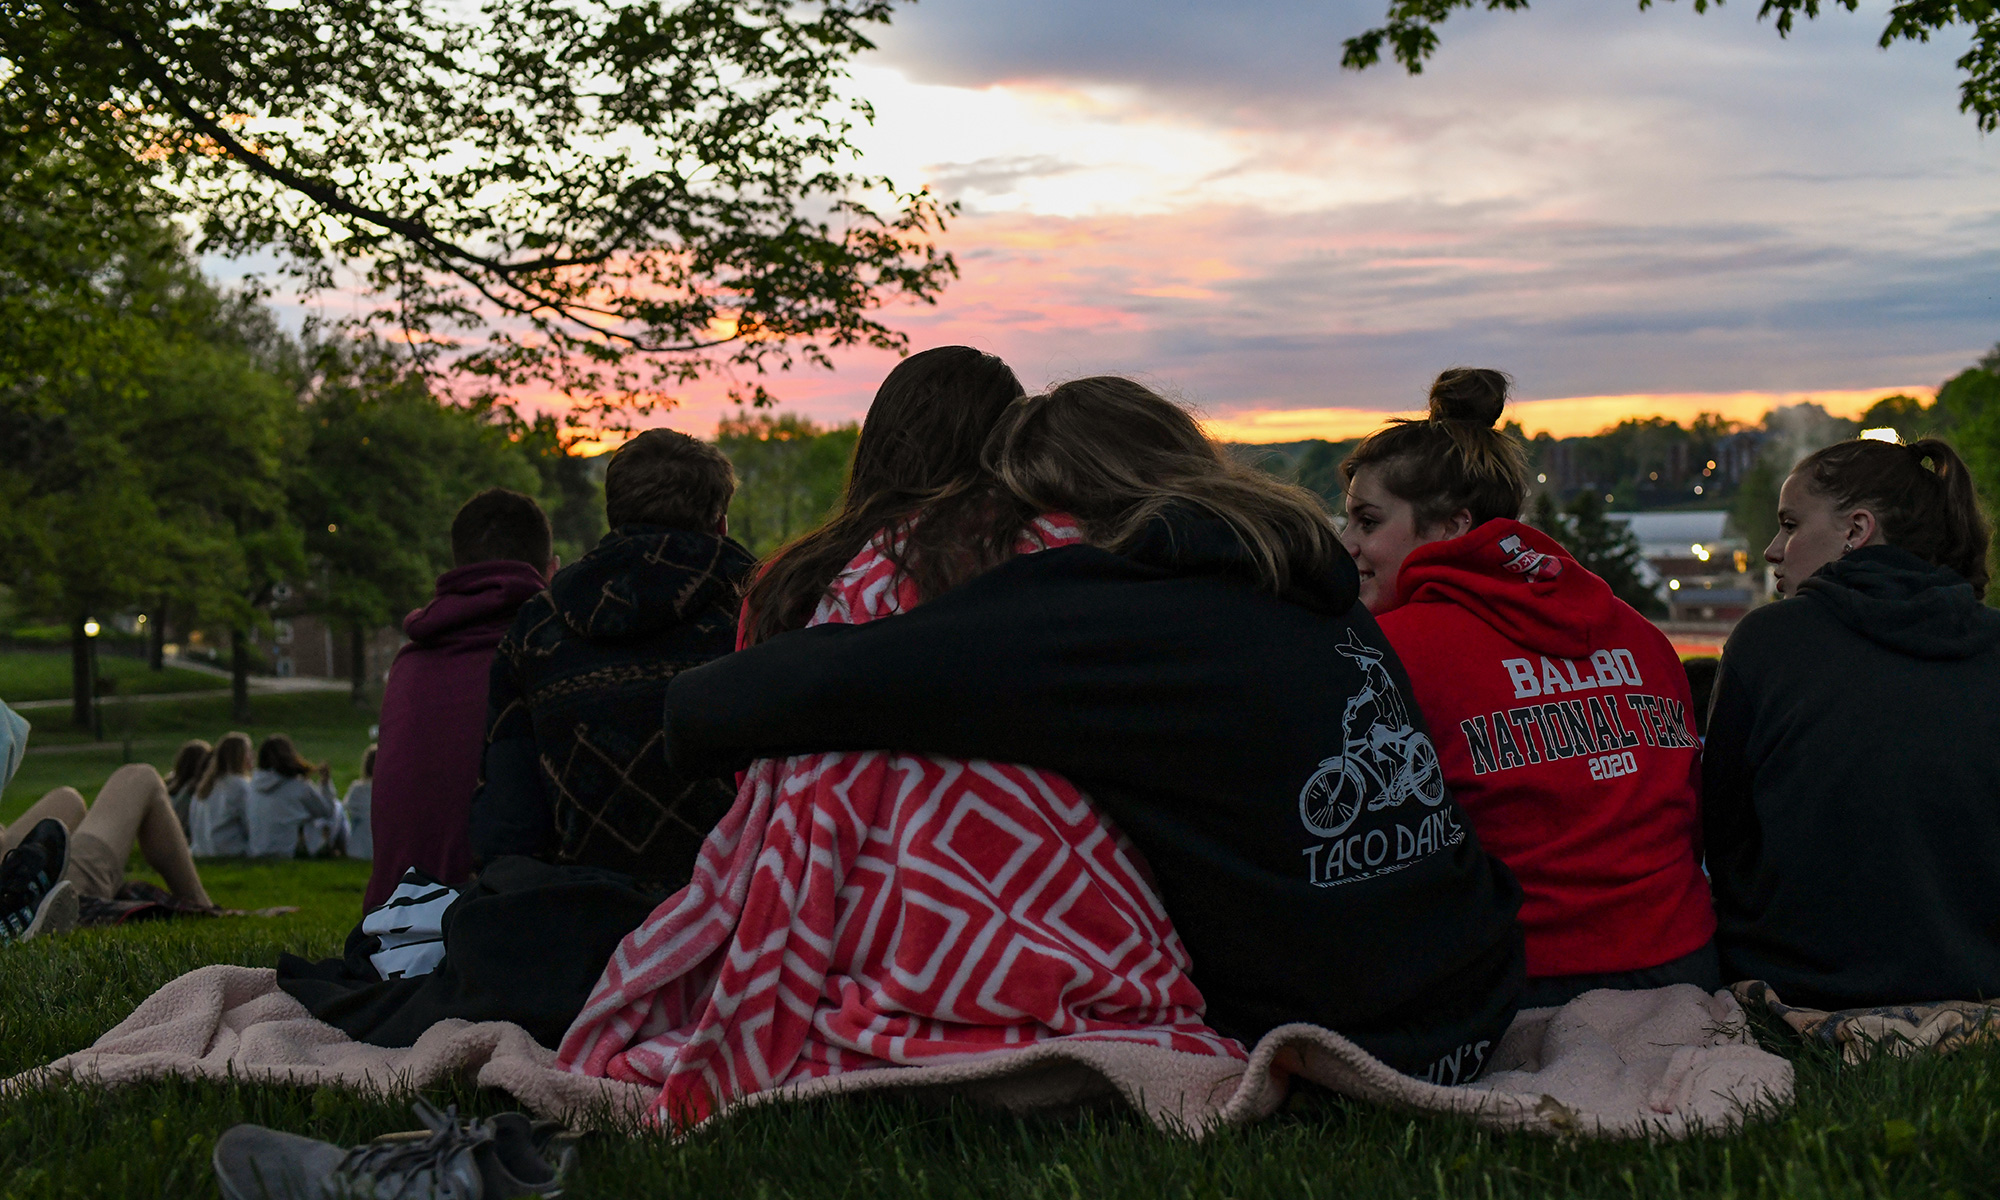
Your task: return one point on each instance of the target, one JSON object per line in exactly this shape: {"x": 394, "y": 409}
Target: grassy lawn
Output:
{"x": 1928, "y": 1128}
{"x": 326, "y": 726}
{"x": 44, "y": 675}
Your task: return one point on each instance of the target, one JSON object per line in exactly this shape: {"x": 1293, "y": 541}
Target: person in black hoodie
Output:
{"x": 1204, "y": 671}
{"x": 1851, "y": 780}
{"x": 573, "y": 770}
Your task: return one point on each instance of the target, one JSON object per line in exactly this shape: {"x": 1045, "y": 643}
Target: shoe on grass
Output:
{"x": 34, "y": 897}
{"x": 501, "y": 1158}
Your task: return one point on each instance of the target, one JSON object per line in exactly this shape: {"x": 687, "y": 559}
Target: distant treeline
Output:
{"x": 1651, "y": 463}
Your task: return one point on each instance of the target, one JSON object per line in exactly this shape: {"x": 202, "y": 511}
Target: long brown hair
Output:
{"x": 188, "y": 762}
{"x": 919, "y": 452}
{"x": 280, "y": 755}
{"x": 1454, "y": 458}
{"x": 1115, "y": 455}
{"x": 1921, "y": 493}
{"x": 230, "y": 757}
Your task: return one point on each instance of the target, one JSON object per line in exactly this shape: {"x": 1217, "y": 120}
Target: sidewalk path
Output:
{"x": 260, "y": 685}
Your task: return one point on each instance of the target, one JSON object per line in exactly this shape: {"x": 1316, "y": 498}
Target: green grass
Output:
{"x": 45, "y": 675}
{"x": 1923, "y": 1128}
{"x": 326, "y": 726}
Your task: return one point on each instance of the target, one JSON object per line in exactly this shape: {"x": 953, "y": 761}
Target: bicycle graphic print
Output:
{"x": 1381, "y": 764}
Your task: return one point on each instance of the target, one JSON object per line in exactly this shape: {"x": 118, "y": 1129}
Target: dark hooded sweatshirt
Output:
{"x": 574, "y": 769}
{"x": 1852, "y": 789}
{"x": 1262, "y": 753}
{"x": 1565, "y": 725}
{"x": 434, "y": 722}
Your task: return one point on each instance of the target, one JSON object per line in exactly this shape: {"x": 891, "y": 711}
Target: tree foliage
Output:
{"x": 145, "y": 412}
{"x": 789, "y": 475}
{"x": 1409, "y": 33}
{"x": 385, "y": 467}
{"x": 1605, "y": 547}
{"x": 617, "y": 197}
{"x": 146, "y": 415}
{"x": 169, "y": 449}
{"x": 1967, "y": 412}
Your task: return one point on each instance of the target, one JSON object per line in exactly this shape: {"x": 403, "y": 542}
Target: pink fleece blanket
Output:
{"x": 1665, "y": 1063}
{"x": 868, "y": 910}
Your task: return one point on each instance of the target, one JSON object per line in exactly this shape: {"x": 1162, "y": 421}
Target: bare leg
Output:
{"x": 134, "y": 806}
{"x": 64, "y": 804}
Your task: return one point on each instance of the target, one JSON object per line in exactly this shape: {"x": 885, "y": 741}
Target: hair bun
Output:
{"x": 1475, "y": 394}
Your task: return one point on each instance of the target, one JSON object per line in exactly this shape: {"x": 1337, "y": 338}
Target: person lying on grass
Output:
{"x": 1200, "y": 665}
{"x": 872, "y": 909}
{"x": 83, "y": 848}
{"x": 1563, "y": 716}
{"x": 1852, "y": 775}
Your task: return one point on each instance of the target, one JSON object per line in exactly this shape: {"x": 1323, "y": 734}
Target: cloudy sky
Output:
{"x": 1629, "y": 211}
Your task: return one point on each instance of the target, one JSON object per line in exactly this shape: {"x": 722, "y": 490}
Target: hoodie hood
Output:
{"x": 473, "y": 596}
{"x": 641, "y": 579}
{"x": 270, "y": 781}
{"x": 1898, "y": 600}
{"x": 1186, "y": 541}
{"x": 1517, "y": 579}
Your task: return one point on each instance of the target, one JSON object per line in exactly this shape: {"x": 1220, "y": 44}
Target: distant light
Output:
{"x": 1700, "y": 551}
{"x": 333, "y": 529}
{"x": 1607, "y": 497}
{"x": 1674, "y": 585}
{"x": 1711, "y": 464}
{"x": 1884, "y": 434}
{"x": 1541, "y": 479}
{"x": 142, "y": 619}
{"x": 91, "y": 628}
{"x": 1697, "y": 489}
{"x": 1654, "y": 475}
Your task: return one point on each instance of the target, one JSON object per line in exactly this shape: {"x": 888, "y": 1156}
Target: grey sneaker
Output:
{"x": 501, "y": 1158}
{"x": 34, "y": 897}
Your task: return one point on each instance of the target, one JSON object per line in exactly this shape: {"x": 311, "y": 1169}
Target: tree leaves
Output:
{"x": 600, "y": 200}
{"x": 1410, "y": 33}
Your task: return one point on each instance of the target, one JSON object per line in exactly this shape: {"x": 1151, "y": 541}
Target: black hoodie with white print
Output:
{"x": 1261, "y": 753}
{"x": 1851, "y": 789}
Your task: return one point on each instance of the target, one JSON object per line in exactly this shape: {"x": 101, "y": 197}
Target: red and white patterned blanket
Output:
{"x": 864, "y": 910}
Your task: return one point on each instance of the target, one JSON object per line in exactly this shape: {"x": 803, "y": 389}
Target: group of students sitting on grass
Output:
{"x": 276, "y": 804}
{"x": 1398, "y": 776}
{"x": 210, "y": 804}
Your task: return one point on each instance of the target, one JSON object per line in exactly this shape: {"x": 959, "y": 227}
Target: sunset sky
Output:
{"x": 1630, "y": 212}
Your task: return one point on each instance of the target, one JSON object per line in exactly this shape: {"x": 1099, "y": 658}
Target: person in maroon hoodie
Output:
{"x": 434, "y": 707}
{"x": 1563, "y": 717}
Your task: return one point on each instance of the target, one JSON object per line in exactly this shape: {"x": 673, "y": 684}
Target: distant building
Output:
{"x": 1736, "y": 454}
{"x": 1702, "y": 569}
{"x": 307, "y": 644}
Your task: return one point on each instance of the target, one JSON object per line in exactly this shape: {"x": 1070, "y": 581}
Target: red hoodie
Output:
{"x": 434, "y": 723}
{"x": 1561, "y": 717}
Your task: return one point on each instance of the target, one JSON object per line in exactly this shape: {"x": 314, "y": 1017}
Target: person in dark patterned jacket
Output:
{"x": 574, "y": 768}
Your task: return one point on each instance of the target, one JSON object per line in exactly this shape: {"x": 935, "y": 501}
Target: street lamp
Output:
{"x": 90, "y": 630}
